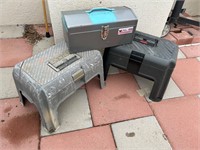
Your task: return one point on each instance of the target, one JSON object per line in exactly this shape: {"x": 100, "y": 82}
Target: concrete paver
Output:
{"x": 98, "y": 138}
{"x": 170, "y": 38}
{"x": 12, "y": 31}
{"x": 74, "y": 114}
{"x": 182, "y": 37}
{"x": 186, "y": 76}
{"x": 43, "y": 45}
{"x": 19, "y": 126}
{"x": 191, "y": 51}
{"x": 191, "y": 44}
{"x": 7, "y": 85}
{"x": 118, "y": 101}
{"x": 195, "y": 33}
{"x": 180, "y": 55}
{"x": 146, "y": 86}
{"x": 13, "y": 51}
{"x": 180, "y": 120}
{"x": 143, "y": 133}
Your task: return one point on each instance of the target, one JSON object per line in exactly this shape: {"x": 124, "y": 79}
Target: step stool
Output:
{"x": 148, "y": 56}
{"x": 50, "y": 77}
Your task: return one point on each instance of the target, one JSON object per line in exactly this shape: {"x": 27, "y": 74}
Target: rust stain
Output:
{"x": 20, "y": 128}
{"x": 122, "y": 96}
{"x": 6, "y": 110}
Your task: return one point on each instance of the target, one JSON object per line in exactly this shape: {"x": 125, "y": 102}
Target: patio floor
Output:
{"x": 120, "y": 116}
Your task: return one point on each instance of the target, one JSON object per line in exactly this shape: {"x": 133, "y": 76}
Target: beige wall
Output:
{"x": 192, "y": 7}
{"x": 151, "y": 14}
{"x": 14, "y": 12}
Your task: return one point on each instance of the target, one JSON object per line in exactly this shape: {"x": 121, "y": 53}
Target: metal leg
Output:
{"x": 188, "y": 21}
{"x": 176, "y": 11}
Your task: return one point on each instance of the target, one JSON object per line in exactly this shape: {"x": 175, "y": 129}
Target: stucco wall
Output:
{"x": 14, "y": 12}
{"x": 152, "y": 14}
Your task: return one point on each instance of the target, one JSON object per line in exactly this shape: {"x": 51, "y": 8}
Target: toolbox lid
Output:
{"x": 95, "y": 16}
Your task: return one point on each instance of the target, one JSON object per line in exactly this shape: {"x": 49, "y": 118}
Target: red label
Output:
{"x": 127, "y": 30}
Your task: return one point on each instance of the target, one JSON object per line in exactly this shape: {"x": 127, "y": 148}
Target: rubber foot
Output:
{"x": 48, "y": 35}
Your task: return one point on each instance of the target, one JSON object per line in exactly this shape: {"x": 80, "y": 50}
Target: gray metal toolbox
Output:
{"x": 98, "y": 28}
{"x": 50, "y": 77}
{"x": 148, "y": 56}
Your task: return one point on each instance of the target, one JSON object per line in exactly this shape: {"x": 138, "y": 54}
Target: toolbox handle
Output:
{"x": 99, "y": 9}
{"x": 146, "y": 40}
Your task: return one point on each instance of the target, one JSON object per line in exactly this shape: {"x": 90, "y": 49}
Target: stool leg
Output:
{"x": 49, "y": 118}
{"x": 106, "y": 62}
{"x": 102, "y": 82}
{"x": 21, "y": 97}
{"x": 159, "y": 87}
{"x": 48, "y": 114}
{"x": 54, "y": 118}
{"x": 106, "y": 69}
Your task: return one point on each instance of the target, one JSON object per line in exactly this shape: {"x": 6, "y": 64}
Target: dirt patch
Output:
{"x": 20, "y": 128}
{"x": 31, "y": 34}
{"x": 122, "y": 96}
{"x": 8, "y": 109}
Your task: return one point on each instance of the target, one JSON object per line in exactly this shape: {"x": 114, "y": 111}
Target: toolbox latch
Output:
{"x": 136, "y": 57}
{"x": 78, "y": 75}
{"x": 104, "y": 32}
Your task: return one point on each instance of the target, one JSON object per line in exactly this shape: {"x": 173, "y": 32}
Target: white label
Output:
{"x": 127, "y": 30}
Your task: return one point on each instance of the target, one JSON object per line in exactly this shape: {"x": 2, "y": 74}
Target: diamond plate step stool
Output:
{"x": 50, "y": 77}
{"x": 149, "y": 57}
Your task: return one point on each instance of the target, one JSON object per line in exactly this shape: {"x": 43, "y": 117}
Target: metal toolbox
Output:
{"x": 50, "y": 77}
{"x": 148, "y": 56}
{"x": 98, "y": 28}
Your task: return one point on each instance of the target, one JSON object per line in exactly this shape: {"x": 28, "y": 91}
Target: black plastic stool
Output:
{"x": 148, "y": 56}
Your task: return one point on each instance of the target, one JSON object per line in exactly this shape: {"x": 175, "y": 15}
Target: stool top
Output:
{"x": 162, "y": 49}
{"x": 40, "y": 67}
